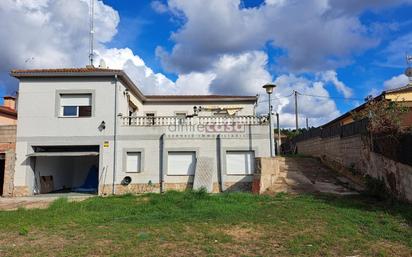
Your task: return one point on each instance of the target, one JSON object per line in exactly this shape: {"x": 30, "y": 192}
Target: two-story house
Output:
{"x": 92, "y": 130}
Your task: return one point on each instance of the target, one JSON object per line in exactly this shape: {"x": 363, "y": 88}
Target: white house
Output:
{"x": 93, "y": 130}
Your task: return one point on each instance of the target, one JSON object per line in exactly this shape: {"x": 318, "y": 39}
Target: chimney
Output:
{"x": 10, "y": 102}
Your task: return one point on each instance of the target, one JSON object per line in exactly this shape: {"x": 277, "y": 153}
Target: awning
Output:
{"x": 58, "y": 154}
{"x": 134, "y": 100}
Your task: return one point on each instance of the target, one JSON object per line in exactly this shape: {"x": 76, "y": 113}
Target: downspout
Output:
{"x": 161, "y": 162}
{"x": 114, "y": 134}
{"x": 219, "y": 163}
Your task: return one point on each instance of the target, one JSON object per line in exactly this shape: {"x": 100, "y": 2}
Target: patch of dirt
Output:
{"x": 391, "y": 249}
{"x": 240, "y": 233}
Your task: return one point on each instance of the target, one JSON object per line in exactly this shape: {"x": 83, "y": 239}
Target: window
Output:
{"x": 75, "y": 105}
{"x": 240, "y": 162}
{"x": 180, "y": 117}
{"x": 181, "y": 163}
{"x": 133, "y": 161}
{"x": 151, "y": 119}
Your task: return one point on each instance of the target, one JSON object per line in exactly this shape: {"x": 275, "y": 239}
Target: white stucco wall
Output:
{"x": 39, "y": 125}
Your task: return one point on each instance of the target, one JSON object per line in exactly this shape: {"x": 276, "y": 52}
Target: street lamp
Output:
{"x": 269, "y": 90}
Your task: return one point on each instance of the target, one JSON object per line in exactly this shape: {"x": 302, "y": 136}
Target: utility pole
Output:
{"x": 307, "y": 123}
{"x": 278, "y": 141}
{"x": 296, "y": 110}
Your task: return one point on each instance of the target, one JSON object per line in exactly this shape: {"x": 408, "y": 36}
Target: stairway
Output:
{"x": 309, "y": 175}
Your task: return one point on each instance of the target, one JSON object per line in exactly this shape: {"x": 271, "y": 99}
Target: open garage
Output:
{"x": 65, "y": 169}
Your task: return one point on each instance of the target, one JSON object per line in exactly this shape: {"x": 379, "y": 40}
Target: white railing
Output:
{"x": 202, "y": 120}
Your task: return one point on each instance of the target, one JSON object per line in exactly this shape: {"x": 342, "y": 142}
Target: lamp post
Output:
{"x": 269, "y": 90}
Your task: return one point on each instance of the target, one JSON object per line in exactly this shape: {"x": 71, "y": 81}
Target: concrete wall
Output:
{"x": 353, "y": 153}
{"x": 346, "y": 151}
{"x": 40, "y": 125}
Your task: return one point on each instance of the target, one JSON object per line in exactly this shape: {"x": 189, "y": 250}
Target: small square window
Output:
{"x": 133, "y": 161}
{"x": 75, "y": 105}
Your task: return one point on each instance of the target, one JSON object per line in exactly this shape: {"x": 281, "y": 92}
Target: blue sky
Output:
{"x": 344, "y": 49}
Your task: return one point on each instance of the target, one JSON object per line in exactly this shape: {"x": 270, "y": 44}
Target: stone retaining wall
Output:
{"x": 353, "y": 155}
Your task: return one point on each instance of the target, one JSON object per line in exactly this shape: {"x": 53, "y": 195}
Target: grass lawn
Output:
{"x": 198, "y": 224}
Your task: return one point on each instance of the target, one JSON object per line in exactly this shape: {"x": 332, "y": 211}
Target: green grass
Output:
{"x": 198, "y": 224}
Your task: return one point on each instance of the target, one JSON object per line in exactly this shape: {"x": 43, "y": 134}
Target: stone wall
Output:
{"x": 352, "y": 155}
{"x": 346, "y": 151}
{"x": 7, "y": 147}
{"x": 397, "y": 176}
{"x": 267, "y": 171}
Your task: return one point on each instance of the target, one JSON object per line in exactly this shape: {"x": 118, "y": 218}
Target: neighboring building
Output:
{"x": 402, "y": 94}
{"x": 8, "y": 114}
{"x": 7, "y": 159}
{"x": 92, "y": 129}
{"x": 8, "y": 120}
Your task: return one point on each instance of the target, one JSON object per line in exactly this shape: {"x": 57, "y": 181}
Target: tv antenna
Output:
{"x": 91, "y": 38}
{"x": 408, "y": 71}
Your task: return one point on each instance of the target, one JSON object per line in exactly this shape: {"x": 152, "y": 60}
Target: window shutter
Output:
{"x": 181, "y": 163}
{"x": 133, "y": 162}
{"x": 75, "y": 100}
{"x": 240, "y": 162}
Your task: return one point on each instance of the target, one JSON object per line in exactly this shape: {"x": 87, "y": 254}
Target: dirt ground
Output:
{"x": 30, "y": 202}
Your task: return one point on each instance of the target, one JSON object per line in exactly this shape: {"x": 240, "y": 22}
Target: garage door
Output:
{"x": 240, "y": 162}
{"x": 181, "y": 163}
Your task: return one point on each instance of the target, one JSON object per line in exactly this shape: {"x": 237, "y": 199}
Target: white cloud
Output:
{"x": 318, "y": 110}
{"x": 396, "y": 81}
{"x": 243, "y": 74}
{"x": 330, "y": 36}
{"x": 331, "y": 76}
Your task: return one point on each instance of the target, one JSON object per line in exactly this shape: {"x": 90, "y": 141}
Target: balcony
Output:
{"x": 142, "y": 121}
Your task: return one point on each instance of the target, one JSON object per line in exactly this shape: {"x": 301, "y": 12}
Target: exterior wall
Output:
{"x": 40, "y": 125}
{"x": 157, "y": 141}
{"x": 7, "y": 147}
{"x": 7, "y": 120}
{"x": 352, "y": 153}
{"x": 399, "y": 96}
{"x": 346, "y": 151}
{"x": 397, "y": 176}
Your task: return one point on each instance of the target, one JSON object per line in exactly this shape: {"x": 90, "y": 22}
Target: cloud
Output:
{"x": 318, "y": 110}
{"x": 284, "y": 24}
{"x": 396, "y": 81}
{"x": 159, "y": 7}
{"x": 40, "y": 34}
{"x": 244, "y": 74}
{"x": 331, "y": 76}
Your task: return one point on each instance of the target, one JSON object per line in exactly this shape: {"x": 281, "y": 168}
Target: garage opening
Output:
{"x": 66, "y": 169}
{"x": 2, "y": 168}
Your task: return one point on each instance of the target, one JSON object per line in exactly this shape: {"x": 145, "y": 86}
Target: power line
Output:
{"x": 333, "y": 97}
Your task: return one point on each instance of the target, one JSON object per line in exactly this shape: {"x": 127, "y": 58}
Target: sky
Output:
{"x": 340, "y": 50}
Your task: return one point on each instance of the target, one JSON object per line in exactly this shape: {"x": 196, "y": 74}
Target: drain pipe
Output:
{"x": 114, "y": 135}
{"x": 219, "y": 162}
{"x": 161, "y": 162}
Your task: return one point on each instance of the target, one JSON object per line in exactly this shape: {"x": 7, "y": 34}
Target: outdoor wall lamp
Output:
{"x": 269, "y": 90}
{"x": 102, "y": 125}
